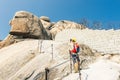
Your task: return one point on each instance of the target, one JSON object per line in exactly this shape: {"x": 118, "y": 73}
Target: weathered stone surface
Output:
{"x": 61, "y": 25}
{"x": 9, "y": 58}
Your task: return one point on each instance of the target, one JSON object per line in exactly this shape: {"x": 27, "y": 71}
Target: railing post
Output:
{"x": 52, "y": 50}
{"x": 46, "y": 73}
{"x": 41, "y": 46}
{"x": 38, "y": 46}
{"x": 70, "y": 62}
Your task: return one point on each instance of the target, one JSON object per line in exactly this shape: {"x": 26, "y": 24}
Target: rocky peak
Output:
{"x": 26, "y": 25}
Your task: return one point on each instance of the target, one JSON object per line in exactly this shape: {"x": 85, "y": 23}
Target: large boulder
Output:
{"x": 27, "y": 25}
{"x": 61, "y": 25}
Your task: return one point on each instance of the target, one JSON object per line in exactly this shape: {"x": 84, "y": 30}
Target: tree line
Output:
{"x": 98, "y": 24}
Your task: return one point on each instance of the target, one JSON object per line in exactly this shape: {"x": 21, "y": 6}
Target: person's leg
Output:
{"x": 78, "y": 60}
{"x": 75, "y": 63}
{"x": 74, "y": 58}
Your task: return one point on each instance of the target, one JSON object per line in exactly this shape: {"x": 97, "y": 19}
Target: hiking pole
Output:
{"x": 38, "y": 46}
{"x": 46, "y": 73}
{"x": 70, "y": 62}
{"x": 79, "y": 70}
{"x": 52, "y": 50}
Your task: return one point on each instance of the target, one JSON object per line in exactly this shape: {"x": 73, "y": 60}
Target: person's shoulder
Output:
{"x": 78, "y": 44}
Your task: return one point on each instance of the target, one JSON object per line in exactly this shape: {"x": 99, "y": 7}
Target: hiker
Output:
{"x": 75, "y": 48}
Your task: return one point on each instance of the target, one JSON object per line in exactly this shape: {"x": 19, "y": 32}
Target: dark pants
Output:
{"x": 75, "y": 58}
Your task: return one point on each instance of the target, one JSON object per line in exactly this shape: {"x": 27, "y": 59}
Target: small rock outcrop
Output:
{"x": 8, "y": 41}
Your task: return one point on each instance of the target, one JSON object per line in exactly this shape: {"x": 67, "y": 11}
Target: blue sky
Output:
{"x": 100, "y": 10}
